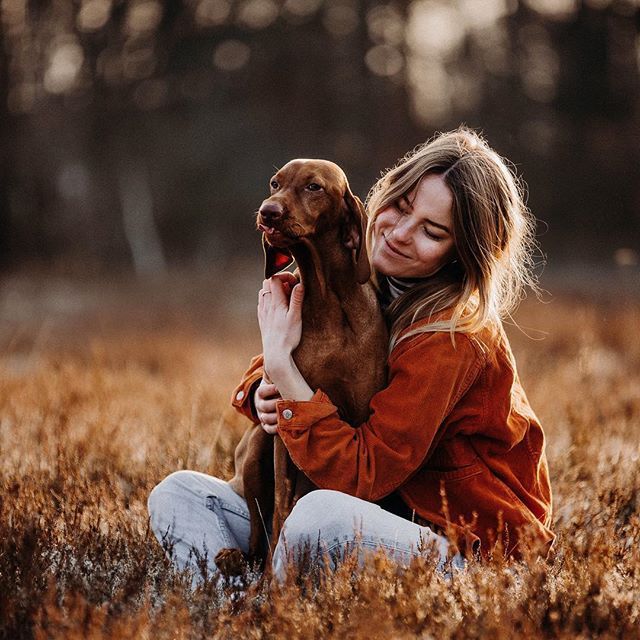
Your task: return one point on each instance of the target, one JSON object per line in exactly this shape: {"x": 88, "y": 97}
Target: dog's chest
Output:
{"x": 327, "y": 360}
{"x": 346, "y": 361}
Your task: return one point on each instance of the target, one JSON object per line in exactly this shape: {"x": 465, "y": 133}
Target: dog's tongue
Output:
{"x": 265, "y": 229}
{"x": 281, "y": 260}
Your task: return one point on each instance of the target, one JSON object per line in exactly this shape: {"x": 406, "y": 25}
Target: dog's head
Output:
{"x": 307, "y": 198}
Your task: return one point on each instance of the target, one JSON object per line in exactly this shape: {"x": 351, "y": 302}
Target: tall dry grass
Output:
{"x": 91, "y": 418}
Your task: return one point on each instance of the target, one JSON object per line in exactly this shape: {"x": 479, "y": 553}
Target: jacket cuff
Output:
{"x": 296, "y": 415}
{"x": 243, "y": 394}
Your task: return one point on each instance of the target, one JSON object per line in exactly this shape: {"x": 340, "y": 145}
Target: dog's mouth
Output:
{"x": 268, "y": 230}
{"x": 277, "y": 236}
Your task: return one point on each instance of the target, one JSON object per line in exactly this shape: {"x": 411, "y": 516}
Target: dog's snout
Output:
{"x": 271, "y": 211}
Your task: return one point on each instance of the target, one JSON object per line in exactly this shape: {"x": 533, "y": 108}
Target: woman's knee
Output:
{"x": 320, "y": 515}
{"x": 177, "y": 489}
{"x": 173, "y": 485}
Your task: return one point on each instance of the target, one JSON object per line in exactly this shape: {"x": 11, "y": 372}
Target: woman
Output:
{"x": 452, "y": 454}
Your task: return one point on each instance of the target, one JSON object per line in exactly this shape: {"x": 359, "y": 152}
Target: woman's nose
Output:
{"x": 402, "y": 230}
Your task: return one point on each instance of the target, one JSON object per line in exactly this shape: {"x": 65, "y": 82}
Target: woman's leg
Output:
{"x": 194, "y": 516}
{"x": 331, "y": 522}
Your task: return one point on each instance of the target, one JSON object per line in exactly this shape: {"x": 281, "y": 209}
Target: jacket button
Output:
{"x": 239, "y": 395}
{"x": 287, "y": 414}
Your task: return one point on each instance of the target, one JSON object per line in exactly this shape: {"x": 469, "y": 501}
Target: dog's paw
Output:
{"x": 231, "y": 562}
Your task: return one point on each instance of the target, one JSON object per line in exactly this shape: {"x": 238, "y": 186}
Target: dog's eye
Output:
{"x": 314, "y": 187}
{"x": 274, "y": 184}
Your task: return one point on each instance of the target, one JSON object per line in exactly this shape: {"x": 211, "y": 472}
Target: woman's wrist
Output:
{"x": 285, "y": 374}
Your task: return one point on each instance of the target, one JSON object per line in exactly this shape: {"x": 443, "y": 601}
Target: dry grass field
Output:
{"x": 104, "y": 391}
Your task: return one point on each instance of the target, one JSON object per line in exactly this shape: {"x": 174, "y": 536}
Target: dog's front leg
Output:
{"x": 284, "y": 486}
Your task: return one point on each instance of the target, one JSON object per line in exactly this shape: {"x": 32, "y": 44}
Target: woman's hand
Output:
{"x": 280, "y": 320}
{"x": 264, "y": 401}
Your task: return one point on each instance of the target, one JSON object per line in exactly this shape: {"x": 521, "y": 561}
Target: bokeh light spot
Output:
{"x": 625, "y": 257}
{"x": 554, "y": 9}
{"x": 385, "y": 25}
{"x": 431, "y": 89}
{"x": 210, "y": 13}
{"x": 384, "y": 60}
{"x": 434, "y": 29}
{"x": 301, "y": 8}
{"x": 93, "y": 15}
{"x": 480, "y": 15}
{"x": 258, "y": 14}
{"x": 539, "y": 63}
{"x": 138, "y": 62}
{"x": 493, "y": 42}
{"x": 73, "y": 181}
{"x": 231, "y": 55}
{"x": 144, "y": 17}
{"x": 340, "y": 19}
{"x": 65, "y": 63}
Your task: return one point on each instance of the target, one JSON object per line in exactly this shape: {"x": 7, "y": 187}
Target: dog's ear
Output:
{"x": 354, "y": 230}
{"x": 274, "y": 259}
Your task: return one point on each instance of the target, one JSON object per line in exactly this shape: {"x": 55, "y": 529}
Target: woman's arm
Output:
{"x": 373, "y": 459}
{"x": 427, "y": 376}
{"x": 280, "y": 320}
{"x": 255, "y": 396}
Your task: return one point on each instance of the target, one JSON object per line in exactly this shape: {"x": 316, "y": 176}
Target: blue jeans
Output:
{"x": 196, "y": 515}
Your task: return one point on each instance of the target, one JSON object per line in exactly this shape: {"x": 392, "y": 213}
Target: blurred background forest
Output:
{"x": 139, "y": 135}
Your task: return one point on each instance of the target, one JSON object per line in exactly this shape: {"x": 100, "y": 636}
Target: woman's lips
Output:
{"x": 393, "y": 249}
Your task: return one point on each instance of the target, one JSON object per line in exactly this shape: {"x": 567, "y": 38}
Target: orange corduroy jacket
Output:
{"x": 452, "y": 434}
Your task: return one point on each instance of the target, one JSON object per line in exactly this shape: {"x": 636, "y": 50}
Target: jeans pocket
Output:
{"x": 213, "y": 504}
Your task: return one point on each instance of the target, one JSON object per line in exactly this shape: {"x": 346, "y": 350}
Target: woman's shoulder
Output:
{"x": 419, "y": 340}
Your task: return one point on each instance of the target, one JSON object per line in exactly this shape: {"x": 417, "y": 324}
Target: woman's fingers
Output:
{"x": 286, "y": 276}
{"x": 268, "y": 418}
{"x": 265, "y": 402}
{"x": 295, "y": 303}
{"x": 276, "y": 290}
{"x": 266, "y": 390}
{"x": 279, "y": 296}
{"x": 279, "y": 285}
{"x": 263, "y": 293}
{"x": 266, "y": 411}
{"x": 266, "y": 406}
{"x": 288, "y": 281}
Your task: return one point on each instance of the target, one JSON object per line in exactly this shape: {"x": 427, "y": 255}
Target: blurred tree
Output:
{"x": 136, "y": 131}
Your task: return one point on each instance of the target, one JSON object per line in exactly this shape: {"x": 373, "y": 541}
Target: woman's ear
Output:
{"x": 353, "y": 234}
{"x": 274, "y": 259}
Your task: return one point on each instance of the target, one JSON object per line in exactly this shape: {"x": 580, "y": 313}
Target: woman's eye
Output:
{"x": 314, "y": 187}
{"x": 274, "y": 184}
{"x": 430, "y": 235}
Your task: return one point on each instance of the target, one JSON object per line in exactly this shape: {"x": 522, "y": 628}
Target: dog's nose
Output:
{"x": 271, "y": 211}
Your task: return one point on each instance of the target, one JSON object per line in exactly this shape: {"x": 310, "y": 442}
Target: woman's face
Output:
{"x": 413, "y": 235}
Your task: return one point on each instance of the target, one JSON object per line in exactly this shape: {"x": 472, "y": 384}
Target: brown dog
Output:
{"x": 312, "y": 217}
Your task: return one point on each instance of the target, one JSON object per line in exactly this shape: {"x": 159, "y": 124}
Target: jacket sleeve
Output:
{"x": 242, "y": 397}
{"x": 427, "y": 377}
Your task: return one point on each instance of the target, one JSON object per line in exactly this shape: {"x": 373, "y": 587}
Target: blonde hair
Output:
{"x": 493, "y": 233}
